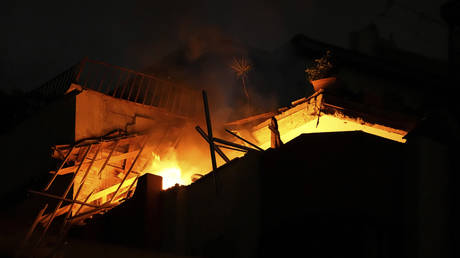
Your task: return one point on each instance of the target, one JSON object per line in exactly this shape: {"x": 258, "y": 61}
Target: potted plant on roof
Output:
{"x": 321, "y": 74}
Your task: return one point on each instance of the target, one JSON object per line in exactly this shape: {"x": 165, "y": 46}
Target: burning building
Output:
{"x": 126, "y": 147}
{"x": 106, "y": 126}
{"x": 322, "y": 113}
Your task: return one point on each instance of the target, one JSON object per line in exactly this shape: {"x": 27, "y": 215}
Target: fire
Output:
{"x": 168, "y": 168}
{"x": 171, "y": 176}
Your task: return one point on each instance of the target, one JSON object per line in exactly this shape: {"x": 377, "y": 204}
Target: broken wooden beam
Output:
{"x": 230, "y": 148}
{"x": 86, "y": 214}
{"x": 60, "y": 167}
{"x": 85, "y": 201}
{"x": 52, "y": 196}
{"x": 305, "y": 99}
{"x": 146, "y": 138}
{"x": 244, "y": 140}
{"x": 45, "y": 218}
{"x": 34, "y": 225}
{"x": 83, "y": 180}
{"x": 217, "y": 149}
{"x": 235, "y": 145}
{"x": 108, "y": 157}
{"x": 120, "y": 157}
{"x": 53, "y": 214}
{"x": 209, "y": 127}
{"x": 109, "y": 190}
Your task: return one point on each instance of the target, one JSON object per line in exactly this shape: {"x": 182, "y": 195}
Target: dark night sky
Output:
{"x": 43, "y": 38}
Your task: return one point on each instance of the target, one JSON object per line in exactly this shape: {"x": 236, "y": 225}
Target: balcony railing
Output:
{"x": 126, "y": 84}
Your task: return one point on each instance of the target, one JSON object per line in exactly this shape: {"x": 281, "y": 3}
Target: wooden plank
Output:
{"x": 90, "y": 213}
{"x": 131, "y": 148}
{"x": 230, "y": 148}
{"x": 60, "y": 167}
{"x": 209, "y": 127}
{"x": 235, "y": 145}
{"x": 146, "y": 139}
{"x": 45, "y": 218}
{"x": 85, "y": 201}
{"x": 131, "y": 186}
{"x": 72, "y": 169}
{"x": 58, "y": 206}
{"x": 218, "y": 150}
{"x": 109, "y": 190}
{"x": 63, "y": 151}
{"x": 34, "y": 225}
{"x": 124, "y": 139}
{"x": 61, "y": 198}
{"x": 305, "y": 99}
{"x": 83, "y": 180}
{"x": 107, "y": 158}
{"x": 244, "y": 140}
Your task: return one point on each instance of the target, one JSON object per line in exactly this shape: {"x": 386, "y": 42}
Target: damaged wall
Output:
{"x": 98, "y": 114}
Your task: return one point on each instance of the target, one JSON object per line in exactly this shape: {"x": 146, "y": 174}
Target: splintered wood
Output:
{"x": 104, "y": 173}
{"x": 101, "y": 170}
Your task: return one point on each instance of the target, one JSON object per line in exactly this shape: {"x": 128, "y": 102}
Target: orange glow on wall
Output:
{"x": 307, "y": 118}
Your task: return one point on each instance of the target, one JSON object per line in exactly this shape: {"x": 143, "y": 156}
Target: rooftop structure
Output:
{"x": 108, "y": 127}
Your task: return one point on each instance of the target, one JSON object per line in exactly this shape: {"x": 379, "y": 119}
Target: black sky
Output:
{"x": 43, "y": 38}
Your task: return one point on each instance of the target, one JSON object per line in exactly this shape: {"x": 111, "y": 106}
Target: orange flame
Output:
{"x": 168, "y": 169}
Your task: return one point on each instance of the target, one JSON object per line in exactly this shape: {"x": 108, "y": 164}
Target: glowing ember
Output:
{"x": 168, "y": 169}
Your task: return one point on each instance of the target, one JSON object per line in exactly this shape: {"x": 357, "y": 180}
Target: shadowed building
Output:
{"x": 344, "y": 194}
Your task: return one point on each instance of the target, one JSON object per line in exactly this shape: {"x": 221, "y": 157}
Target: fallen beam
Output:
{"x": 87, "y": 214}
{"x": 72, "y": 169}
{"x": 34, "y": 225}
{"x": 244, "y": 140}
{"x": 230, "y": 148}
{"x": 235, "y": 145}
{"x": 146, "y": 138}
{"x": 52, "y": 196}
{"x": 209, "y": 127}
{"x": 109, "y": 190}
{"x": 60, "y": 167}
{"x": 217, "y": 149}
{"x": 45, "y": 218}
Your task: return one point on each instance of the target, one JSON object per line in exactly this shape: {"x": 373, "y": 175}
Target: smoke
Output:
{"x": 203, "y": 62}
{"x": 44, "y": 38}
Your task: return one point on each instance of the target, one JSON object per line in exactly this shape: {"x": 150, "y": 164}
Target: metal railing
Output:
{"x": 57, "y": 86}
{"x": 125, "y": 84}
{"x": 138, "y": 87}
